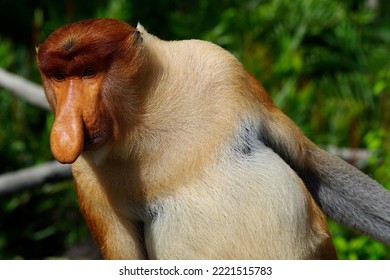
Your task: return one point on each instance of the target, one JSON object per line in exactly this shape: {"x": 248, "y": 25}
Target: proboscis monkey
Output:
{"x": 179, "y": 153}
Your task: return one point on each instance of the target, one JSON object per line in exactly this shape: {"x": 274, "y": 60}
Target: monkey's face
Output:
{"x": 82, "y": 120}
{"x": 74, "y": 62}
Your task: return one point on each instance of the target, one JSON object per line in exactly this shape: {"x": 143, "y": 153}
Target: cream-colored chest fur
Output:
{"x": 232, "y": 212}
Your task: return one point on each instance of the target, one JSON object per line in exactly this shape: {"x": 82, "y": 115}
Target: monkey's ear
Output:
{"x": 141, "y": 29}
{"x": 36, "y": 49}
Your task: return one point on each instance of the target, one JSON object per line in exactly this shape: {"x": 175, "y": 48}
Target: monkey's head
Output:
{"x": 85, "y": 67}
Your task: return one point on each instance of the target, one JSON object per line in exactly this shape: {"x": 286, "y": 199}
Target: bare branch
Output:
{"x": 54, "y": 172}
{"x": 32, "y": 177}
{"x": 356, "y": 157}
{"x": 24, "y": 89}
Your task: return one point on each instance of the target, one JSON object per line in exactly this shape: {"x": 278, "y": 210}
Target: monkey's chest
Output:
{"x": 232, "y": 212}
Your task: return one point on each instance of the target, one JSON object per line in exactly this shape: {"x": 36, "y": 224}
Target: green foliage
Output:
{"x": 325, "y": 63}
{"x": 40, "y": 223}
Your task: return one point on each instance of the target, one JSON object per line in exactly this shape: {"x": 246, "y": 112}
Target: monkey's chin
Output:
{"x": 96, "y": 153}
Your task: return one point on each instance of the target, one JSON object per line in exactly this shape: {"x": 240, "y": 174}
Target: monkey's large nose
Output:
{"x": 67, "y": 138}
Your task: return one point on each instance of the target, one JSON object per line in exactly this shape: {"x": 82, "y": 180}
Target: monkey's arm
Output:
{"x": 117, "y": 237}
{"x": 349, "y": 196}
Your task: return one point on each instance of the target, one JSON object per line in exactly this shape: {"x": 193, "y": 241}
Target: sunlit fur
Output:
{"x": 190, "y": 158}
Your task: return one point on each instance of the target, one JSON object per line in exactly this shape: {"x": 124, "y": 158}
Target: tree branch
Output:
{"x": 24, "y": 89}
{"x": 32, "y": 177}
{"x": 357, "y": 157}
{"x": 53, "y": 171}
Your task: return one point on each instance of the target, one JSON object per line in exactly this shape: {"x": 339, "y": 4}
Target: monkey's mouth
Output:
{"x": 94, "y": 140}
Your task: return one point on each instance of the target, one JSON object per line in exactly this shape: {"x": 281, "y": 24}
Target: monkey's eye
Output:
{"x": 59, "y": 76}
{"x": 89, "y": 72}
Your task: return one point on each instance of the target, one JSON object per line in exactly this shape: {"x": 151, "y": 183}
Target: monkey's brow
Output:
{"x": 68, "y": 45}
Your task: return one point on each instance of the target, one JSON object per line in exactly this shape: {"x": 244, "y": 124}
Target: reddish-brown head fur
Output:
{"x": 76, "y": 63}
